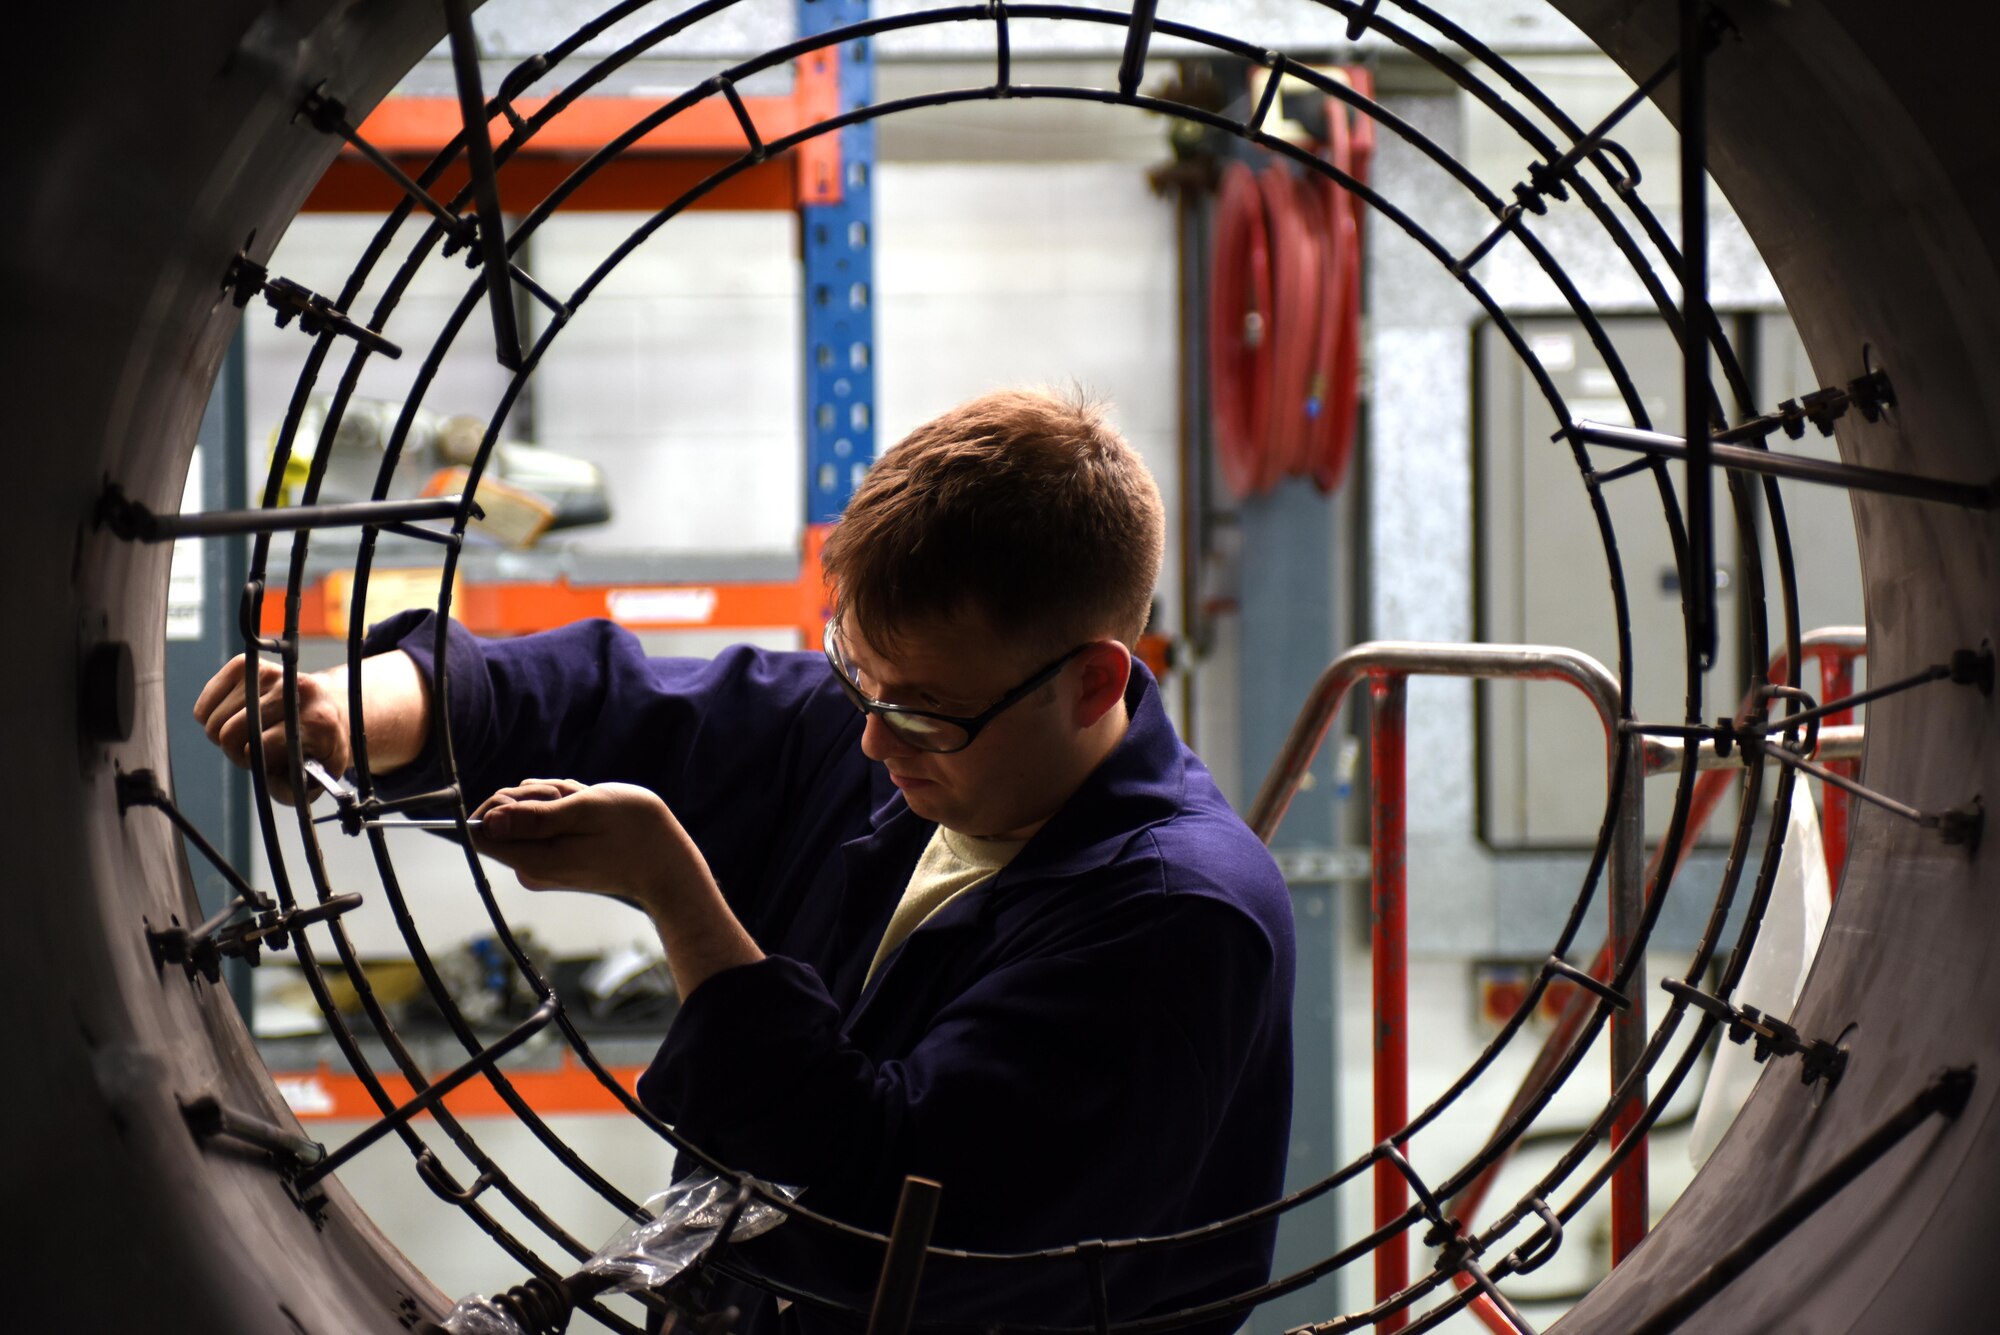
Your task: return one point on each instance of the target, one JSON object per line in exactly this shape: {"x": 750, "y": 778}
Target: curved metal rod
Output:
{"x": 1667, "y": 497}
{"x": 1394, "y": 661}
{"x": 1528, "y": 662}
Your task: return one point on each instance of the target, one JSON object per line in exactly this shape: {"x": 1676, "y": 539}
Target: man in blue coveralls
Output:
{"x": 947, "y": 898}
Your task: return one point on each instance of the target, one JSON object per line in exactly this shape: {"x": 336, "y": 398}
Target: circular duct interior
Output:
{"x": 1847, "y": 152}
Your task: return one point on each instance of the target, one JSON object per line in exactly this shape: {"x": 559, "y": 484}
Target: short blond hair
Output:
{"x": 1024, "y": 506}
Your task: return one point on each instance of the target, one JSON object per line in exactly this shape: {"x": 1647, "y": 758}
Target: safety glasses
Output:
{"x": 925, "y": 729}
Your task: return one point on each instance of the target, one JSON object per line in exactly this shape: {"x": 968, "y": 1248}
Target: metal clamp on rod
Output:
{"x": 202, "y": 950}
{"x": 1768, "y": 1036}
{"x": 245, "y": 278}
{"x": 198, "y": 951}
{"x": 357, "y": 814}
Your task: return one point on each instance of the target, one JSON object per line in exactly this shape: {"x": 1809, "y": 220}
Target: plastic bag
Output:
{"x": 645, "y": 1254}
{"x": 685, "y": 1219}
{"x": 481, "y": 1316}
{"x": 1787, "y": 940}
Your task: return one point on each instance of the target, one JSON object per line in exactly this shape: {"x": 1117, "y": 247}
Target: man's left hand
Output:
{"x": 619, "y": 840}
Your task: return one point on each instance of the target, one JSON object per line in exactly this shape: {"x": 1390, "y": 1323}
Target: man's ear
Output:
{"x": 1105, "y": 668}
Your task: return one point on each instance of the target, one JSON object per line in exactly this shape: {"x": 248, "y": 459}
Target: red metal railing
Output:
{"x": 1387, "y": 665}
{"x": 1836, "y": 648}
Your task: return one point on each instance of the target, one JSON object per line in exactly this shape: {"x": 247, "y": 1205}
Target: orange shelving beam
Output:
{"x": 324, "y": 1094}
{"x": 510, "y": 607}
{"x": 656, "y": 170}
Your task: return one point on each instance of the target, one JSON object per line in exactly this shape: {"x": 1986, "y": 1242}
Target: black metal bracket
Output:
{"x": 316, "y": 314}
{"x": 1275, "y": 62}
{"x": 1003, "y": 49}
{"x": 1767, "y": 1035}
{"x": 1545, "y": 177}
{"x": 758, "y": 151}
{"x": 1868, "y": 395}
{"x": 1527, "y": 1257}
{"x": 1459, "y": 1254}
{"x": 202, "y": 949}
{"x": 1558, "y": 967}
{"x": 141, "y": 788}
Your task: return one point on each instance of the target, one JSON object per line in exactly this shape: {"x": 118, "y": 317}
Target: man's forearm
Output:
{"x": 395, "y": 708}
{"x": 701, "y": 936}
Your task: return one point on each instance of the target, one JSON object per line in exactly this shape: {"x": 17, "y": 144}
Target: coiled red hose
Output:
{"x": 1350, "y": 148}
{"x": 1284, "y": 314}
{"x": 1239, "y": 312}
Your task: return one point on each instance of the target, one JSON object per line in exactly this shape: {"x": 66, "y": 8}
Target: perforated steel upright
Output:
{"x": 836, "y": 242}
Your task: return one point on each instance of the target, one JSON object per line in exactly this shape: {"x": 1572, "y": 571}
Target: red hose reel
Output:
{"x": 1284, "y": 312}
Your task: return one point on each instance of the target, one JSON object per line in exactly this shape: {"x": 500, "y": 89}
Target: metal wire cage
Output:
{"x": 1580, "y": 164}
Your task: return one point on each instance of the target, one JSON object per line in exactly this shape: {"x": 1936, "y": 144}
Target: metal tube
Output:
{"x": 1389, "y": 951}
{"x": 149, "y": 527}
{"x": 1630, "y": 1195}
{"x": 1697, "y": 328}
{"x": 1529, "y": 662}
{"x": 1928, "y": 820}
{"x": 1836, "y": 682}
{"x": 903, "y": 1261}
{"x": 1138, "y": 36}
{"x": 432, "y": 1096}
{"x": 1662, "y": 754}
{"x": 1394, "y": 661}
{"x": 1973, "y": 495}
{"x": 1845, "y": 704}
{"x": 492, "y": 233}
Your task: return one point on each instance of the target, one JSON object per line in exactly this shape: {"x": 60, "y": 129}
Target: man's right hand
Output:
{"x": 223, "y": 712}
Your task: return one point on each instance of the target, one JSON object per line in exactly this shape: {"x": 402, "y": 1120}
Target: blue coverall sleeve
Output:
{"x": 730, "y": 743}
